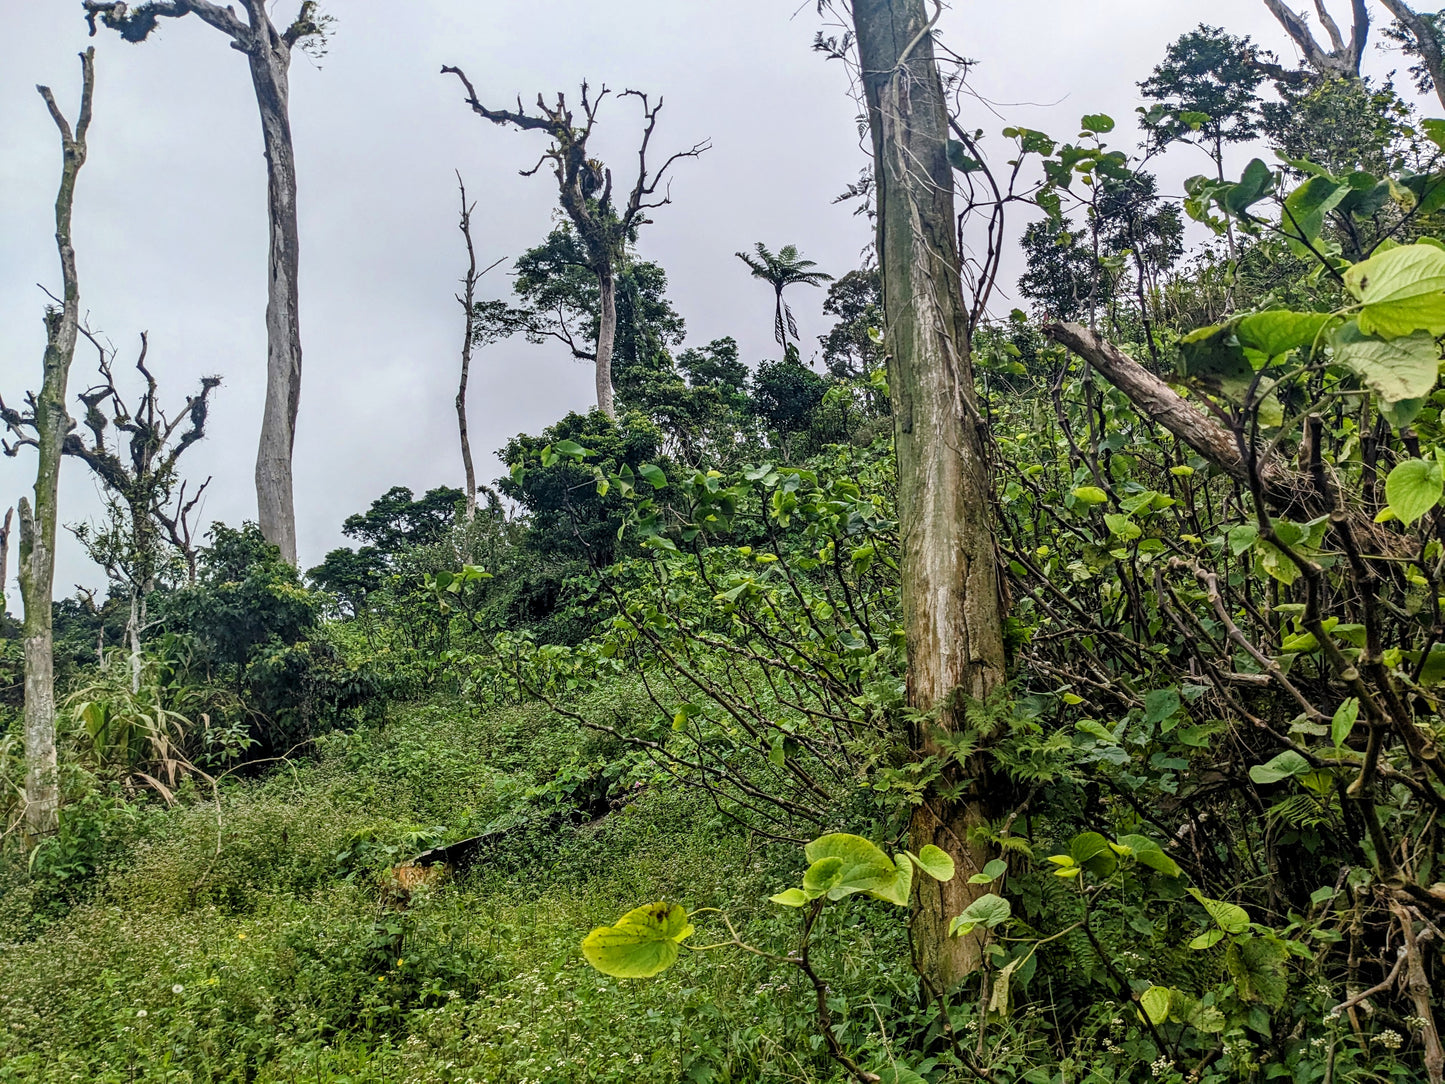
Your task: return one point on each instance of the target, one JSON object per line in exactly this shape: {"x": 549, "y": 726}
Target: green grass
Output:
{"x": 248, "y": 939}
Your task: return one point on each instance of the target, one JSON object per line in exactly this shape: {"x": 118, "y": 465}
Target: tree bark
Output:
{"x": 1343, "y": 60}
{"x": 5, "y": 556}
{"x": 270, "y": 60}
{"x": 1283, "y": 487}
{"x": 468, "y": 300}
{"x": 606, "y": 340}
{"x": 268, "y": 51}
{"x": 1427, "y": 44}
{"x": 37, "y": 523}
{"x": 951, "y": 606}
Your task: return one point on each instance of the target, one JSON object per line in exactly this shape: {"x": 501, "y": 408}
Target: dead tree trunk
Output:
{"x": 270, "y": 61}
{"x": 37, "y": 522}
{"x": 5, "y": 556}
{"x": 606, "y": 340}
{"x": 468, "y": 301}
{"x": 951, "y": 608}
{"x": 268, "y": 52}
{"x": 584, "y": 187}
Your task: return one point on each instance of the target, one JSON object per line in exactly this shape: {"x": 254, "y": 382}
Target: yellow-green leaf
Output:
{"x": 640, "y": 943}
{"x": 1400, "y": 291}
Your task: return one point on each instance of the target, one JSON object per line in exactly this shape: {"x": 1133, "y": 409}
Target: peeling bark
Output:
{"x": 949, "y": 573}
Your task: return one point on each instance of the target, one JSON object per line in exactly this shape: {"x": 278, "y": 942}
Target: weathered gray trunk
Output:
{"x": 5, "y": 555}
{"x": 37, "y": 523}
{"x": 949, "y": 576}
{"x": 606, "y": 340}
{"x": 275, "y": 507}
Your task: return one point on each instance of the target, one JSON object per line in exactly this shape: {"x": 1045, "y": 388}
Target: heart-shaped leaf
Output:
{"x": 864, "y": 867}
{"x": 1400, "y": 291}
{"x": 935, "y": 862}
{"x": 1413, "y": 488}
{"x": 640, "y": 943}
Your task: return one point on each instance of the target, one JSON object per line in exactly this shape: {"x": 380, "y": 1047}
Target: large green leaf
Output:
{"x": 1253, "y": 186}
{"x": 822, "y": 875}
{"x": 1230, "y": 917}
{"x": 986, "y": 911}
{"x": 1344, "y": 721}
{"x": 1155, "y": 1004}
{"x": 897, "y": 891}
{"x": 1285, "y": 766}
{"x": 1092, "y": 851}
{"x": 1188, "y": 1009}
{"x": 1213, "y": 356}
{"x": 935, "y": 862}
{"x": 1148, "y": 853}
{"x": 1257, "y": 965}
{"x": 1405, "y": 367}
{"x": 864, "y": 867}
{"x": 1413, "y": 488}
{"x": 640, "y": 943}
{"x": 1280, "y": 331}
{"x": 653, "y": 474}
{"x": 1305, "y": 208}
{"x": 1400, "y": 291}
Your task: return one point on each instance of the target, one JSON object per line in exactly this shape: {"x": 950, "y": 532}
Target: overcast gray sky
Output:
{"x": 170, "y": 228}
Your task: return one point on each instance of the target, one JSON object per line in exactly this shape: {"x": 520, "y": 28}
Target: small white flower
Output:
{"x": 1390, "y": 1039}
{"x": 140, "y": 1014}
{"x": 178, "y": 989}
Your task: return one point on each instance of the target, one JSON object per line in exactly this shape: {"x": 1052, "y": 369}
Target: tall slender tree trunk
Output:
{"x": 275, "y": 507}
{"x": 37, "y": 523}
{"x": 606, "y": 340}
{"x": 5, "y": 556}
{"x": 468, "y": 300}
{"x": 951, "y": 607}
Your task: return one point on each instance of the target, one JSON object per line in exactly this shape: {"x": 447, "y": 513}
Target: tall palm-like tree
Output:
{"x": 780, "y": 270}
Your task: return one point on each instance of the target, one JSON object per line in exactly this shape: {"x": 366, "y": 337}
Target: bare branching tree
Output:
{"x": 585, "y": 191}
{"x": 49, "y": 425}
{"x": 134, "y": 452}
{"x": 268, "y": 51}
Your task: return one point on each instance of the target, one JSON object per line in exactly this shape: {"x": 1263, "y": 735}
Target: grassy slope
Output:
{"x": 274, "y": 958}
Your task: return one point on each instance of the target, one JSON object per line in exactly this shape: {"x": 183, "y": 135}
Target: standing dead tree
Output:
{"x": 467, "y": 300}
{"x": 951, "y": 602}
{"x": 585, "y": 191}
{"x": 140, "y": 474}
{"x": 268, "y": 51}
{"x": 5, "y": 555}
{"x": 50, "y": 424}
